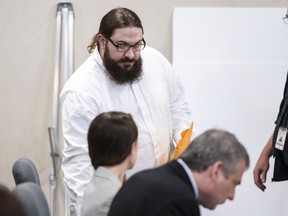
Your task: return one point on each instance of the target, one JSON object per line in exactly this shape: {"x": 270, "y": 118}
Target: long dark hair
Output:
{"x": 116, "y": 18}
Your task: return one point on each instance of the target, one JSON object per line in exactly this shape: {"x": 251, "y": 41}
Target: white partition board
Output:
{"x": 233, "y": 64}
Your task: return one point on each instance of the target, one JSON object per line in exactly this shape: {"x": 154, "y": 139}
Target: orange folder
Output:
{"x": 184, "y": 142}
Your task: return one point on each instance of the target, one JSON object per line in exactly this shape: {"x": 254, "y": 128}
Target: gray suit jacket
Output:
{"x": 100, "y": 193}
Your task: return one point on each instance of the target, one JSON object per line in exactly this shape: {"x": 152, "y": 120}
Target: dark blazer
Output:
{"x": 163, "y": 191}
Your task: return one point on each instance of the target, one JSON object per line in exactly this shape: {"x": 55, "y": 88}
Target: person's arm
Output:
{"x": 77, "y": 114}
{"x": 262, "y": 166}
{"x": 180, "y": 110}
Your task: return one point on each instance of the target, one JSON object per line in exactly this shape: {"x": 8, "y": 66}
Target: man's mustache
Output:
{"x": 127, "y": 60}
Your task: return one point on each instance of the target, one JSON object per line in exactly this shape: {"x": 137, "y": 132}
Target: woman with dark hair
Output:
{"x": 112, "y": 145}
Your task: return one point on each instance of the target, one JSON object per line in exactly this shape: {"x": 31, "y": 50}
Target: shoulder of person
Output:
{"x": 152, "y": 53}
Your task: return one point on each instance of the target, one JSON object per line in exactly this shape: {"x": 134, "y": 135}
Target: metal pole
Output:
{"x": 65, "y": 42}
{"x": 71, "y": 44}
{"x": 53, "y": 174}
{"x": 64, "y": 31}
{"x": 57, "y": 69}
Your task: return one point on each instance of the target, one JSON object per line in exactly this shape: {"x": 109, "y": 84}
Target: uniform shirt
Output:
{"x": 156, "y": 102}
{"x": 100, "y": 192}
{"x": 281, "y": 156}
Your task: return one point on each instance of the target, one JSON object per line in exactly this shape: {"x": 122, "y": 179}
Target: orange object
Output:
{"x": 184, "y": 142}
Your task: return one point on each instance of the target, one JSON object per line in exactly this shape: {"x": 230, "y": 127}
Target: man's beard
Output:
{"x": 122, "y": 75}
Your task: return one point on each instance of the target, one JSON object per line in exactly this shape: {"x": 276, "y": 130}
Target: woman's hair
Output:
{"x": 110, "y": 138}
{"x": 116, "y": 18}
{"x": 215, "y": 145}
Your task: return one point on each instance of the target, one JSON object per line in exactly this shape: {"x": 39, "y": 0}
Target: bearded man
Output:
{"x": 122, "y": 74}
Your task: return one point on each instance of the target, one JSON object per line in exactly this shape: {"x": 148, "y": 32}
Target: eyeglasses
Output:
{"x": 124, "y": 47}
{"x": 285, "y": 18}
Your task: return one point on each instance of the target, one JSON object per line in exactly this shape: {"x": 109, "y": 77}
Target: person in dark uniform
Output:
{"x": 277, "y": 146}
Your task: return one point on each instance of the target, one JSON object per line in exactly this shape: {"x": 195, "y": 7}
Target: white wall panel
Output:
{"x": 233, "y": 63}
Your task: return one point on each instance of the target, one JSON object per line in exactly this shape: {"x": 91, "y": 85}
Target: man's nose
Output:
{"x": 130, "y": 53}
{"x": 232, "y": 195}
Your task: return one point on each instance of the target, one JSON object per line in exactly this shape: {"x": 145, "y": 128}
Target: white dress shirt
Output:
{"x": 156, "y": 102}
{"x": 190, "y": 176}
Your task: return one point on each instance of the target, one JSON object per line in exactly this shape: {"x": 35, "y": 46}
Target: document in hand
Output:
{"x": 184, "y": 142}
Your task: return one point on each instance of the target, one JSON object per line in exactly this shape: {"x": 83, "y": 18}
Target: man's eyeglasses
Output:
{"x": 285, "y": 18}
{"x": 124, "y": 47}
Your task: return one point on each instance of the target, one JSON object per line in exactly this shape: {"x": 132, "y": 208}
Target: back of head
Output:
{"x": 114, "y": 19}
{"x": 215, "y": 145}
{"x": 9, "y": 205}
{"x": 32, "y": 199}
{"x": 110, "y": 138}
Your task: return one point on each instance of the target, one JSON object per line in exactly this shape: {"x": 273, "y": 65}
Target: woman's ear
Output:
{"x": 134, "y": 147}
{"x": 133, "y": 155}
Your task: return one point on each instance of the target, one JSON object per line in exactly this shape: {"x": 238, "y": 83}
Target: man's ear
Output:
{"x": 216, "y": 169}
{"x": 101, "y": 41}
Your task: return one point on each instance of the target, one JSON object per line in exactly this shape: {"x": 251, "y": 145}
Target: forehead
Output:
{"x": 127, "y": 33}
